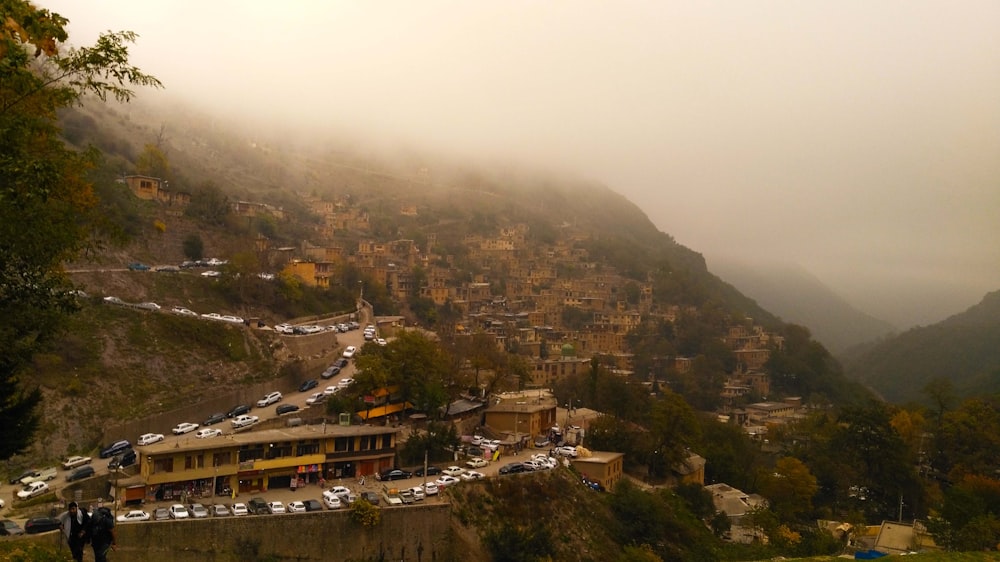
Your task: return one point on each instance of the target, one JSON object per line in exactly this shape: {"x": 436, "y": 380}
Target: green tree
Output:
{"x": 209, "y": 204}
{"x": 789, "y": 488}
{"x": 194, "y": 247}
{"x": 152, "y": 161}
{"x": 46, "y": 207}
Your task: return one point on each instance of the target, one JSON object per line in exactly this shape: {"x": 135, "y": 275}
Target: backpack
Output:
{"x": 101, "y": 523}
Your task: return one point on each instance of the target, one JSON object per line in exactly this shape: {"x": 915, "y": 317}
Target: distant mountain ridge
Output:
{"x": 796, "y": 296}
{"x": 963, "y": 349}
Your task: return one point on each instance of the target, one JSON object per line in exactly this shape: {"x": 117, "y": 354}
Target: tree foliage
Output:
{"x": 46, "y": 207}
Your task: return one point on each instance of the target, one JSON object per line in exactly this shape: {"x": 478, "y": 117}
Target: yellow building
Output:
{"x": 522, "y": 420}
{"x": 604, "y": 467}
{"x": 260, "y": 460}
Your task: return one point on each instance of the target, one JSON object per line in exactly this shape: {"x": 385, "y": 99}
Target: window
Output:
{"x": 343, "y": 444}
{"x": 369, "y": 442}
{"x": 222, "y": 459}
{"x": 279, "y": 450}
{"x": 251, "y": 452}
{"x": 387, "y": 441}
{"x": 307, "y": 448}
{"x": 163, "y": 465}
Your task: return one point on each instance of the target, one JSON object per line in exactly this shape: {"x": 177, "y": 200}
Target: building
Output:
{"x": 256, "y": 461}
{"x": 603, "y": 467}
{"x": 521, "y": 419}
{"x": 155, "y": 189}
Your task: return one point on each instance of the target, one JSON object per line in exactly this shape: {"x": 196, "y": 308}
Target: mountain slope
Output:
{"x": 797, "y": 296}
{"x": 964, "y": 349}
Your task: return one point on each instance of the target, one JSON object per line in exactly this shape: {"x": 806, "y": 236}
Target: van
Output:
{"x": 127, "y": 458}
{"x": 115, "y": 448}
{"x": 80, "y": 473}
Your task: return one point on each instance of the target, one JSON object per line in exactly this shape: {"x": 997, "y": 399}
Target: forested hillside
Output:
{"x": 963, "y": 349}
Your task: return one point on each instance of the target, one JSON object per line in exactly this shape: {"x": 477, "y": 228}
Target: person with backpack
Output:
{"x": 102, "y": 533}
{"x": 75, "y": 525}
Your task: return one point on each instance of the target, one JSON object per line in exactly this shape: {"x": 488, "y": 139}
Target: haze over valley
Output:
{"x": 855, "y": 141}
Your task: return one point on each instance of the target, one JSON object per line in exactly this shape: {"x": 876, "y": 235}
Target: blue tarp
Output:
{"x": 869, "y": 555}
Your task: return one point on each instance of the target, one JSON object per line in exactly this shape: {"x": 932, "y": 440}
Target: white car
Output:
{"x": 455, "y": 471}
{"x": 418, "y": 493}
{"x": 477, "y": 463}
{"x": 331, "y": 390}
{"x": 340, "y": 491}
{"x": 444, "y": 481}
{"x": 316, "y": 398}
{"x": 36, "y": 488}
{"x": 276, "y": 507}
{"x": 75, "y": 461}
{"x": 134, "y": 515}
{"x": 344, "y": 383}
{"x": 244, "y": 421}
{"x": 283, "y": 328}
{"x": 349, "y": 351}
{"x": 431, "y": 489}
{"x": 183, "y": 311}
{"x": 149, "y": 438}
{"x": 566, "y": 451}
{"x": 296, "y": 507}
{"x": 240, "y": 509}
{"x": 208, "y": 433}
{"x": 381, "y": 341}
{"x": 211, "y": 273}
{"x": 332, "y": 501}
{"x": 271, "y": 398}
{"x": 178, "y": 511}
{"x": 472, "y": 475}
{"x": 184, "y": 427}
{"x": 231, "y": 319}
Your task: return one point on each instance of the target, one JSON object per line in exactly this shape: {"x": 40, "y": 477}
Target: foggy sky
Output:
{"x": 859, "y": 139}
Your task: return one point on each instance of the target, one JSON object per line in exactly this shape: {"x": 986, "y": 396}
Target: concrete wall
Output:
{"x": 411, "y": 534}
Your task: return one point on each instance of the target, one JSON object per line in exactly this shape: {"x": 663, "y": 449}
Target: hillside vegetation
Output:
{"x": 963, "y": 349}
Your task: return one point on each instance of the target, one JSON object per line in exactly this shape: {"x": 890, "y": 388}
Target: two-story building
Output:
{"x": 604, "y": 467}
{"x": 520, "y": 419}
{"x": 260, "y": 460}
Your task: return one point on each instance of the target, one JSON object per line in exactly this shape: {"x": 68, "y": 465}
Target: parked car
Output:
{"x": 178, "y": 511}
{"x": 128, "y": 458}
{"x": 444, "y": 481}
{"x": 76, "y": 461}
{"x": 244, "y": 421}
{"x": 198, "y": 511}
{"x": 332, "y": 501}
{"x": 275, "y": 508}
{"x": 149, "y": 306}
{"x": 215, "y": 418}
{"x": 239, "y": 509}
{"x": 80, "y": 473}
{"x": 32, "y": 490}
{"x": 313, "y": 505}
{"x": 331, "y": 372}
{"x": 283, "y": 409}
{"x": 17, "y": 479}
{"x": 9, "y": 528}
{"x": 115, "y": 448}
{"x": 316, "y": 398}
{"x": 269, "y": 399}
{"x": 208, "y": 433}
{"x": 349, "y": 352}
{"x": 184, "y": 427}
{"x": 344, "y": 383}
{"x": 295, "y": 507}
{"x": 308, "y": 385}
{"x": 394, "y": 474}
{"x": 477, "y": 463}
{"x": 149, "y": 438}
{"x": 381, "y": 341}
{"x": 257, "y": 506}
{"x": 238, "y": 410}
{"x": 565, "y": 451}
{"x": 370, "y": 497}
{"x": 455, "y": 471}
{"x": 431, "y": 471}
{"x": 512, "y": 468}
{"x": 340, "y": 363}
{"x": 45, "y": 474}
{"x": 331, "y": 390}
{"x": 37, "y": 525}
{"x": 472, "y": 475}
{"x": 219, "y": 510}
{"x": 137, "y": 266}
{"x": 161, "y": 514}
{"x": 431, "y": 489}
{"x": 418, "y": 493}
{"x": 134, "y": 515}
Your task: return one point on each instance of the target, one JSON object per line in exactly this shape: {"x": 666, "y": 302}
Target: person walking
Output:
{"x": 75, "y": 524}
{"x": 102, "y": 534}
